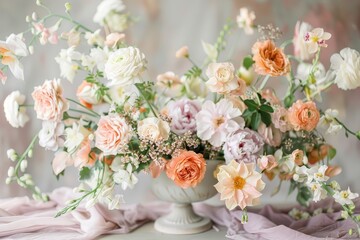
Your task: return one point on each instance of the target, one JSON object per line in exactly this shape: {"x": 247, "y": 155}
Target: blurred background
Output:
{"x": 162, "y": 27}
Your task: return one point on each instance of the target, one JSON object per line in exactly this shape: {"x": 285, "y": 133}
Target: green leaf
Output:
{"x": 331, "y": 153}
{"x": 85, "y": 174}
{"x": 255, "y": 121}
{"x": 292, "y": 187}
{"x": 251, "y": 104}
{"x": 247, "y": 113}
{"x": 266, "y": 108}
{"x": 248, "y": 62}
{"x": 266, "y": 118}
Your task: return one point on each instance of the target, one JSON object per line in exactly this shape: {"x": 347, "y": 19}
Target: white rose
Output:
{"x": 106, "y": 7}
{"x": 153, "y": 129}
{"x": 346, "y": 66}
{"x": 49, "y": 135}
{"x": 125, "y": 65}
{"x": 15, "y": 114}
{"x": 222, "y": 77}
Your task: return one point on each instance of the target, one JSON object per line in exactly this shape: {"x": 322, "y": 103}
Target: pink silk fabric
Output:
{"x": 23, "y": 218}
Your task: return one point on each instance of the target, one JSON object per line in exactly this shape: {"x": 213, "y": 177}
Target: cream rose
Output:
{"x": 112, "y": 134}
{"x": 125, "y": 65}
{"x": 346, "y": 66}
{"x": 49, "y": 103}
{"x": 221, "y": 77}
{"x": 15, "y": 114}
{"x": 153, "y": 129}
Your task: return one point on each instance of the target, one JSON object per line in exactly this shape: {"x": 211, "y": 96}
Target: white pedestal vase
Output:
{"x": 182, "y": 218}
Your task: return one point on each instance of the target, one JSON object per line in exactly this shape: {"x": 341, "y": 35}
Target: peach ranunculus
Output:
{"x": 49, "y": 103}
{"x": 187, "y": 169}
{"x": 239, "y": 185}
{"x": 112, "y": 135}
{"x": 270, "y": 60}
{"x": 304, "y": 116}
{"x": 153, "y": 129}
{"x": 267, "y": 162}
{"x": 298, "y": 156}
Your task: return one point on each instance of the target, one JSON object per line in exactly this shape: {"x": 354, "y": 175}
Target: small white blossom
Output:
{"x": 11, "y": 171}
{"x": 66, "y": 61}
{"x": 328, "y": 121}
{"x": 345, "y": 197}
{"x": 317, "y": 191}
{"x": 316, "y": 38}
{"x": 11, "y": 154}
{"x": 125, "y": 177}
{"x": 245, "y": 20}
{"x": 74, "y": 137}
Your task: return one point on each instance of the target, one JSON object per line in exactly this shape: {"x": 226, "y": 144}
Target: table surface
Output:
{"x": 149, "y": 233}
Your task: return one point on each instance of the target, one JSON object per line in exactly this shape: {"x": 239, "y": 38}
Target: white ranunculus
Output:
{"x": 49, "y": 135}
{"x": 106, "y": 7}
{"x": 125, "y": 65}
{"x": 153, "y": 129}
{"x": 346, "y": 66}
{"x": 15, "y": 114}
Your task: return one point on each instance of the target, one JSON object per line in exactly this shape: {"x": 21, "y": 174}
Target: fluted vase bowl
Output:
{"x": 182, "y": 219}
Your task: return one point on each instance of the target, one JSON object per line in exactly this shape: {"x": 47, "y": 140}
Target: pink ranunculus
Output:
{"x": 182, "y": 113}
{"x": 112, "y": 134}
{"x": 271, "y": 135}
{"x": 243, "y": 145}
{"x": 49, "y": 103}
{"x": 280, "y": 119}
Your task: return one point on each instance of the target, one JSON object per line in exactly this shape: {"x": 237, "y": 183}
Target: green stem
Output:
{"x": 286, "y": 43}
{"x": 67, "y": 19}
{"x": 93, "y": 112}
{"x": 346, "y": 128}
{"x": 263, "y": 84}
{"x": 195, "y": 65}
{"x": 147, "y": 101}
{"x": 82, "y": 112}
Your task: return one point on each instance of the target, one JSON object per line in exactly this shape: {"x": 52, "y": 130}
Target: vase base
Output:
{"x": 162, "y": 225}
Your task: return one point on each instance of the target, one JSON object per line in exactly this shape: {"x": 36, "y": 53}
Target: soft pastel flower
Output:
{"x": 169, "y": 84}
{"x": 216, "y": 121}
{"x": 153, "y": 129}
{"x": 304, "y": 116}
{"x": 328, "y": 121}
{"x": 182, "y": 114}
{"x": 67, "y": 62}
{"x": 186, "y": 169}
{"x": 74, "y": 137}
{"x": 315, "y": 39}
{"x": 243, "y": 145}
{"x": 301, "y": 174}
{"x": 105, "y": 8}
{"x": 117, "y": 22}
{"x": 183, "y": 52}
{"x": 49, "y": 103}
{"x": 125, "y": 65}
{"x": 83, "y": 156}
{"x": 241, "y": 89}
{"x": 47, "y": 34}
{"x": 298, "y": 214}
{"x": 245, "y": 20}
{"x": 50, "y": 135}
{"x": 298, "y": 156}
{"x": 125, "y": 177}
{"x": 15, "y": 114}
{"x": 73, "y": 37}
{"x": 113, "y": 39}
{"x": 270, "y": 96}
{"x": 345, "y": 197}
{"x": 112, "y": 134}
{"x": 194, "y": 86}
{"x": 246, "y": 74}
{"x": 3, "y": 77}
{"x": 346, "y": 66}
{"x": 280, "y": 119}
{"x": 267, "y": 162}
{"x": 88, "y": 94}
{"x": 157, "y": 167}
{"x": 119, "y": 94}
{"x": 270, "y": 60}
{"x": 222, "y": 78}
{"x": 95, "y": 38}
{"x": 318, "y": 154}
{"x": 300, "y": 46}
{"x": 271, "y": 135}
{"x": 239, "y": 185}
{"x": 333, "y": 170}
{"x": 61, "y": 160}
{"x": 10, "y": 50}
{"x": 210, "y": 51}
{"x": 317, "y": 173}
{"x": 98, "y": 57}
{"x": 317, "y": 191}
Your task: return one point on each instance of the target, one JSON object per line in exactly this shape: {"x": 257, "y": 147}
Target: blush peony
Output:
{"x": 187, "y": 169}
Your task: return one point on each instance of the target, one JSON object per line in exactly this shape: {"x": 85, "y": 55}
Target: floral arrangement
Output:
{"x": 122, "y": 124}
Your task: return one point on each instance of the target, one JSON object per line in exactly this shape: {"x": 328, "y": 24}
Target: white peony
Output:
{"x": 153, "y": 129}
{"x": 49, "y": 135}
{"x": 14, "y": 113}
{"x": 216, "y": 121}
{"x": 105, "y": 8}
{"x": 125, "y": 65}
{"x": 346, "y": 66}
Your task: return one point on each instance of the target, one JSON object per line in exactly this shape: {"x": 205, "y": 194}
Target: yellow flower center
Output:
{"x": 344, "y": 194}
{"x": 239, "y": 183}
{"x": 218, "y": 121}
{"x": 315, "y": 39}
{"x": 5, "y": 56}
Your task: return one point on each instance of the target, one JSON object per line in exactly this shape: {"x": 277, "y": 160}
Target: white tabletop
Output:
{"x": 147, "y": 232}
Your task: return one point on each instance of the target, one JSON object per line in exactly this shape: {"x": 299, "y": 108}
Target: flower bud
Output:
{"x": 68, "y": 7}
{"x": 31, "y": 49}
{"x": 27, "y": 19}
{"x": 34, "y": 16}
{"x": 8, "y": 180}
{"x": 23, "y": 165}
{"x": 39, "y": 2}
{"x": 11, "y": 172}
{"x": 11, "y": 154}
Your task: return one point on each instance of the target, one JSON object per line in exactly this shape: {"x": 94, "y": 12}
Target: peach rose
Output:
{"x": 49, "y": 103}
{"x": 298, "y": 156}
{"x": 304, "y": 116}
{"x": 112, "y": 134}
{"x": 270, "y": 60}
{"x": 153, "y": 129}
{"x": 187, "y": 169}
